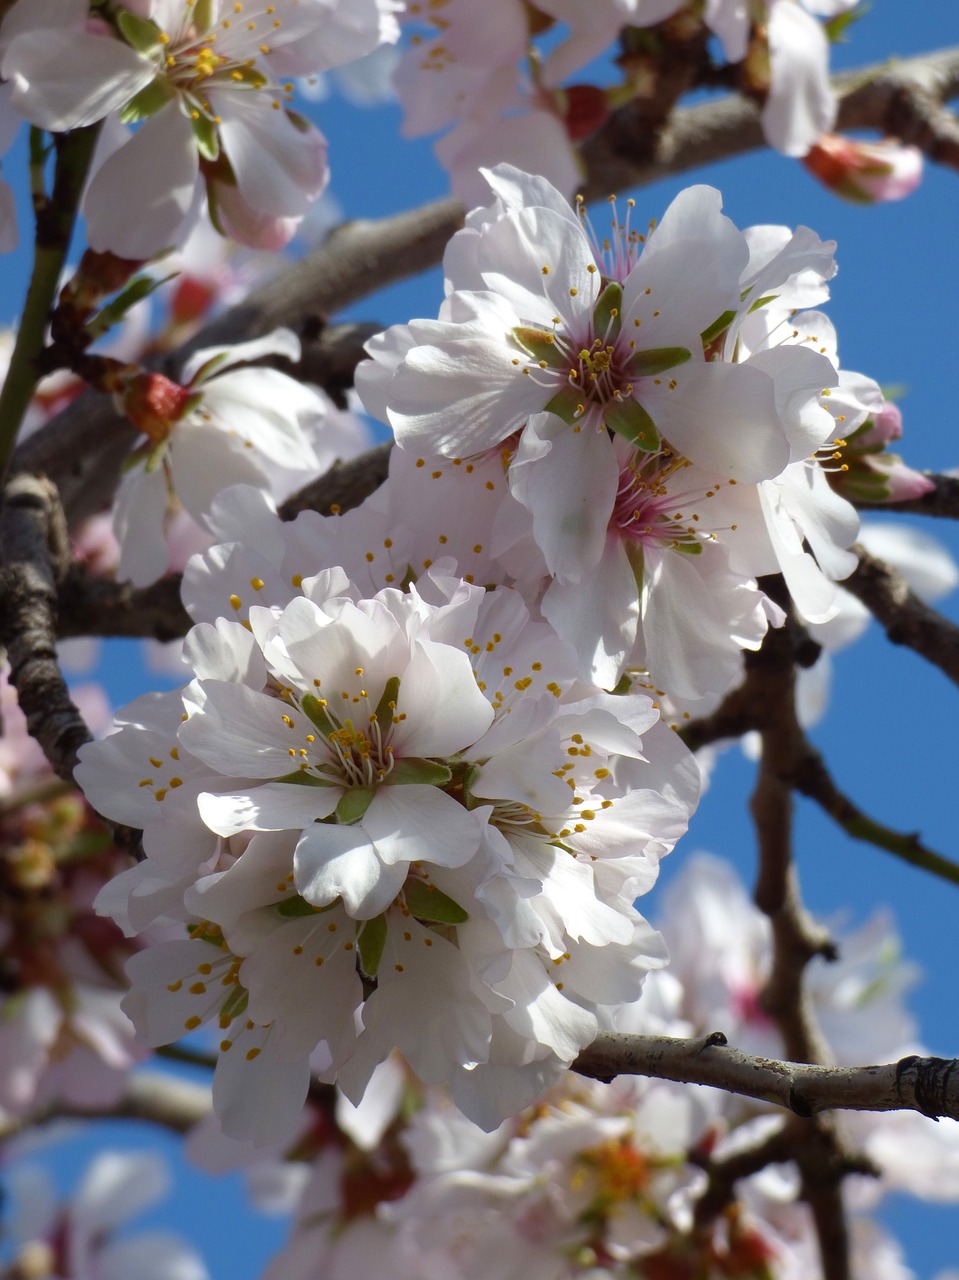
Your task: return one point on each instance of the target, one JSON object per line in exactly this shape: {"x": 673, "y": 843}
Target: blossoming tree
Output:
{"x": 375, "y": 858}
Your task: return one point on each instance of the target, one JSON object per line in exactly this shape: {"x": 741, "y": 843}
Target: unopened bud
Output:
{"x": 865, "y": 172}
{"x": 154, "y": 404}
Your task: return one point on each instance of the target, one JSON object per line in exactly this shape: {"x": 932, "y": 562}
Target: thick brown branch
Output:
{"x": 907, "y": 619}
{"x": 927, "y": 1085}
{"x": 33, "y": 551}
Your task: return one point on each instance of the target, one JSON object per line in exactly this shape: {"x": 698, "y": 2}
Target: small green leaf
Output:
{"x": 718, "y": 326}
{"x": 540, "y": 345}
{"x": 353, "y": 803}
{"x": 426, "y": 902}
{"x": 608, "y": 313}
{"x": 413, "y": 769}
{"x": 645, "y": 364}
{"x": 371, "y": 941}
{"x": 630, "y": 420}
{"x": 387, "y": 705}
{"x": 151, "y": 99}
{"x": 567, "y": 404}
{"x": 139, "y": 288}
{"x": 837, "y": 27}
{"x": 316, "y": 710}
{"x": 142, "y": 33}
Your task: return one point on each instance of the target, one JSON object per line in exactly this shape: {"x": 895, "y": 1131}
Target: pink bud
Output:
{"x": 154, "y": 403}
{"x": 865, "y": 172}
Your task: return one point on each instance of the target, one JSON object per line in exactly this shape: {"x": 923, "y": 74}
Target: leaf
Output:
{"x": 426, "y": 902}
{"x": 207, "y": 137}
{"x": 540, "y": 345}
{"x": 567, "y": 404}
{"x": 718, "y": 326}
{"x": 371, "y": 941}
{"x": 138, "y": 289}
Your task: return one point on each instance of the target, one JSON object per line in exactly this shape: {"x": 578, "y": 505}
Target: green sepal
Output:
{"x": 142, "y": 33}
{"x": 646, "y": 364}
{"x": 204, "y": 12}
{"x": 156, "y": 455}
{"x": 151, "y": 99}
{"x": 837, "y": 27}
{"x": 567, "y": 404}
{"x": 295, "y": 908}
{"x": 426, "y": 902}
{"x": 540, "y": 345}
{"x": 761, "y": 302}
{"x": 235, "y": 1003}
{"x": 623, "y": 687}
{"x": 414, "y": 769}
{"x": 248, "y": 77}
{"x": 370, "y": 941}
{"x": 387, "y": 705}
{"x": 630, "y": 420}
{"x": 718, "y": 326}
{"x": 207, "y": 137}
{"x": 608, "y": 313}
{"x": 300, "y": 778}
{"x": 313, "y": 708}
{"x": 687, "y": 548}
{"x": 138, "y": 289}
{"x": 353, "y": 803}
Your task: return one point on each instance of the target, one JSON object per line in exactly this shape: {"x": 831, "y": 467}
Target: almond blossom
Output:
{"x": 208, "y": 86}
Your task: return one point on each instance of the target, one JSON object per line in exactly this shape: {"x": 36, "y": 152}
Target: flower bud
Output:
{"x": 865, "y": 172}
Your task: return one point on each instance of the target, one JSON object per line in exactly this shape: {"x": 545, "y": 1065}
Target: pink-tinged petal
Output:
{"x": 342, "y": 862}
{"x": 246, "y": 225}
{"x": 535, "y": 139}
{"x": 280, "y": 169}
{"x": 801, "y": 104}
{"x": 722, "y": 417}
{"x": 68, "y": 78}
{"x": 141, "y": 196}
{"x": 425, "y": 1005}
{"x": 445, "y": 710}
{"x": 461, "y": 397}
{"x": 139, "y": 511}
{"x": 274, "y": 806}
{"x": 421, "y": 824}
{"x": 598, "y": 616}
{"x": 570, "y": 491}
{"x": 241, "y": 732}
{"x": 257, "y": 1096}
{"x": 204, "y": 461}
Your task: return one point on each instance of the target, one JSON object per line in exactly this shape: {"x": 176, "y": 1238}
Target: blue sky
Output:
{"x": 889, "y": 735}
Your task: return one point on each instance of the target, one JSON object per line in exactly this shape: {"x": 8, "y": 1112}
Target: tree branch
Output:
{"x": 907, "y": 619}
{"x": 149, "y": 1096}
{"x": 928, "y": 1085}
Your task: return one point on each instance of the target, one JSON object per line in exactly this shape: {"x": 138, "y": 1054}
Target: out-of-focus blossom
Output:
{"x": 865, "y": 172}
{"x": 81, "y": 1238}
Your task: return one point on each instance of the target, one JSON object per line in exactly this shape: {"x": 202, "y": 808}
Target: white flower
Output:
{"x": 226, "y": 426}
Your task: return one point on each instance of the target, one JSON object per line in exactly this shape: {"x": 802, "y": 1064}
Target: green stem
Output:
{"x": 56, "y": 217}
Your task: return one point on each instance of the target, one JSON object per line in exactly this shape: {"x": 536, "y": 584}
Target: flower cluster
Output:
{"x": 208, "y": 85}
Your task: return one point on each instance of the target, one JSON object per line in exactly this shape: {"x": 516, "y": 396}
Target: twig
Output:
{"x": 927, "y": 1085}
{"x": 149, "y": 1096}
{"x": 907, "y": 619}
{"x": 811, "y": 778}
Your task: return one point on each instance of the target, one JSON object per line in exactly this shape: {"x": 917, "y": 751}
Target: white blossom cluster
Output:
{"x": 413, "y": 789}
